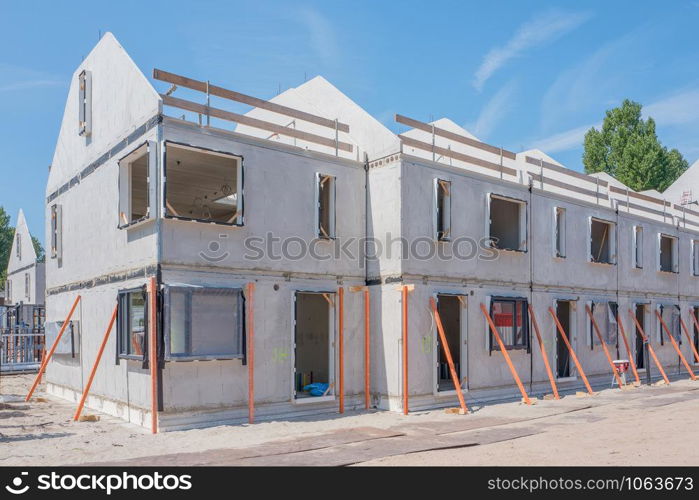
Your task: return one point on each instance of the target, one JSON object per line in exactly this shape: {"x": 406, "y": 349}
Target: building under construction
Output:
{"x": 470, "y": 269}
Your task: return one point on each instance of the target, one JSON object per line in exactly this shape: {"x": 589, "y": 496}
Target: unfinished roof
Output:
{"x": 320, "y": 97}
{"x": 122, "y": 99}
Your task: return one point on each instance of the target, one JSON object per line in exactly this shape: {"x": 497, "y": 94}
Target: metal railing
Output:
{"x": 20, "y": 349}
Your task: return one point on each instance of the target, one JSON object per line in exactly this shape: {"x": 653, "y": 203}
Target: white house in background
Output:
{"x": 26, "y": 277}
{"x": 685, "y": 189}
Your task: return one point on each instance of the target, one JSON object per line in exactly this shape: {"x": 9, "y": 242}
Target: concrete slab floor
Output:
{"x": 640, "y": 426}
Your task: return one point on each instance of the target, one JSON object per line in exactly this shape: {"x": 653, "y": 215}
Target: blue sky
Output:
{"x": 516, "y": 74}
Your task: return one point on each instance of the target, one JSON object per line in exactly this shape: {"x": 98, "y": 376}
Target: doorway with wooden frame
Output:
{"x": 314, "y": 346}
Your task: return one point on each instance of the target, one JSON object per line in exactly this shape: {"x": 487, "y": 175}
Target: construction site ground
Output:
{"x": 647, "y": 425}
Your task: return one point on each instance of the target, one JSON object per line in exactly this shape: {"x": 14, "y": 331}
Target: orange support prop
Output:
{"x": 650, "y": 347}
{"x": 404, "y": 292}
{"x": 86, "y": 391}
{"x": 604, "y": 347}
{"x": 367, "y": 350}
{"x": 628, "y": 347}
{"x": 153, "y": 352}
{"x": 447, "y": 353}
{"x": 506, "y": 355}
{"x": 677, "y": 348}
{"x": 570, "y": 349}
{"x": 250, "y": 346}
{"x": 689, "y": 338}
{"x": 341, "y": 349}
{"x": 47, "y": 358}
{"x": 543, "y": 352}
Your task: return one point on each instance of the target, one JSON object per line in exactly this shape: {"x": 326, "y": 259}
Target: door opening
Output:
{"x": 313, "y": 345}
{"x": 563, "y": 310}
{"x": 640, "y": 347}
{"x": 449, "y": 309}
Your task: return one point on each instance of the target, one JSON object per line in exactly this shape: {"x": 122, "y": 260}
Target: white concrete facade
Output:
{"x": 385, "y": 191}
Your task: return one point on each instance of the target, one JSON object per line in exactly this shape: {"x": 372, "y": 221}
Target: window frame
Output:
{"x": 18, "y": 248}
{"x": 169, "y": 356}
{"x": 613, "y": 252}
{"x": 522, "y": 220}
{"x": 674, "y": 253}
{"x": 85, "y": 103}
{"x": 660, "y": 307}
{"x": 320, "y": 179}
{"x": 240, "y": 184}
{"x": 56, "y": 231}
{"x": 149, "y": 150}
{"x": 442, "y": 214}
{"x": 124, "y": 321}
{"x": 638, "y": 246}
{"x": 559, "y": 232}
{"x": 694, "y": 258}
{"x": 492, "y": 343}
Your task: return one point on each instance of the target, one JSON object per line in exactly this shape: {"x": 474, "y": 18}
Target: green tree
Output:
{"x": 7, "y": 234}
{"x": 628, "y": 148}
{"x": 39, "y": 249}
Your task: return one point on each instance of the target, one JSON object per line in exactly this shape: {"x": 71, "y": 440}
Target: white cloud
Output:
{"x": 20, "y": 78}
{"x": 29, "y": 84}
{"x": 322, "y": 35}
{"x": 533, "y": 33}
{"x": 596, "y": 79}
{"x": 679, "y": 109}
{"x": 564, "y": 141}
{"x": 494, "y": 110}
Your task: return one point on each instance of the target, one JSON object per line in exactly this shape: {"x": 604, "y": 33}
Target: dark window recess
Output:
{"x": 602, "y": 240}
{"x": 203, "y": 323}
{"x": 443, "y": 209}
{"x": 511, "y": 318}
{"x": 507, "y": 224}
{"x": 132, "y": 323}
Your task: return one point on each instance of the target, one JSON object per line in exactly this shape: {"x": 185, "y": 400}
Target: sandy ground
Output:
{"x": 642, "y": 426}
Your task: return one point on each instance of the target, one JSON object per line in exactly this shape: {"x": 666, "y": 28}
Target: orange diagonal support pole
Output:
{"x": 543, "y": 352}
{"x": 639, "y": 328}
{"x": 86, "y": 391}
{"x": 153, "y": 352}
{"x": 677, "y": 348}
{"x": 447, "y": 353}
{"x": 404, "y": 292}
{"x": 341, "y": 349}
{"x": 628, "y": 347}
{"x": 570, "y": 349}
{"x": 689, "y": 339}
{"x": 604, "y": 347}
{"x": 47, "y": 358}
{"x": 505, "y": 354}
{"x": 250, "y": 352}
